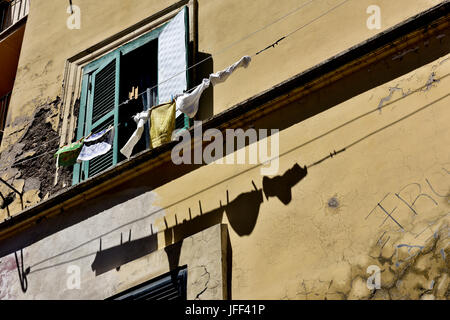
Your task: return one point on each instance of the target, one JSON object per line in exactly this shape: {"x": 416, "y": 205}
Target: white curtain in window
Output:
{"x": 172, "y": 58}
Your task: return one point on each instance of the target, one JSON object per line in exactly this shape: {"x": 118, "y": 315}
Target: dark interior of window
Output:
{"x": 4, "y": 102}
{"x": 138, "y": 72}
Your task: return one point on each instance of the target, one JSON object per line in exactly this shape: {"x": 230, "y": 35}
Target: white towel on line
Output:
{"x": 188, "y": 102}
{"x": 140, "y": 119}
{"x": 97, "y": 144}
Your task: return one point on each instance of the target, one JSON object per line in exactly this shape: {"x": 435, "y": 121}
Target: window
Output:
{"x": 4, "y": 103}
{"x": 171, "y": 286}
{"x": 12, "y": 11}
{"x": 107, "y": 82}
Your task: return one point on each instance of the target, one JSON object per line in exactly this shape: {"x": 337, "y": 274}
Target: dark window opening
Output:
{"x": 4, "y": 103}
{"x": 171, "y": 286}
{"x": 138, "y": 71}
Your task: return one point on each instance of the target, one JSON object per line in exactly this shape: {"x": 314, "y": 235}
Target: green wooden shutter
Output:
{"x": 101, "y": 81}
{"x": 182, "y": 122}
{"x": 103, "y": 111}
{"x": 187, "y": 120}
{"x": 77, "y": 170}
{"x": 98, "y": 110}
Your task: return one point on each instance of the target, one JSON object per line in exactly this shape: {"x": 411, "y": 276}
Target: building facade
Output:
{"x": 342, "y": 114}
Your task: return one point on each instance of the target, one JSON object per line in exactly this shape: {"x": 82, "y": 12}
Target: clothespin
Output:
{"x": 130, "y": 94}
{"x": 134, "y": 94}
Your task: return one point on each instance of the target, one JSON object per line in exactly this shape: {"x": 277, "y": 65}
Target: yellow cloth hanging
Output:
{"x": 162, "y": 124}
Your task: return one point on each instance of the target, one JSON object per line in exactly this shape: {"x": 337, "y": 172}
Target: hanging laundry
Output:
{"x": 67, "y": 155}
{"x": 188, "y": 102}
{"x": 97, "y": 144}
{"x": 162, "y": 124}
{"x": 141, "y": 119}
{"x": 223, "y": 75}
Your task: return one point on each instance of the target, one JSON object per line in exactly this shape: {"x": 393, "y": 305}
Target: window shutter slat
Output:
{"x": 166, "y": 288}
{"x": 103, "y": 111}
{"x": 105, "y": 161}
{"x": 104, "y": 91}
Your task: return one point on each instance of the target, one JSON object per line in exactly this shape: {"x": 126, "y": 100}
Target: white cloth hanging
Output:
{"x": 97, "y": 144}
{"x": 188, "y": 102}
{"x": 223, "y": 75}
{"x": 140, "y": 119}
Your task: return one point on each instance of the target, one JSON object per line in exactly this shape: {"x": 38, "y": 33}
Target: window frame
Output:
{"x": 85, "y": 117}
{"x": 180, "y": 275}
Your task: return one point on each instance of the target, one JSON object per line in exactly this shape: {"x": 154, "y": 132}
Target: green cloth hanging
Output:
{"x": 67, "y": 155}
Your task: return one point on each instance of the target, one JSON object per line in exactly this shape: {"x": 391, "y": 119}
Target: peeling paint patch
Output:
{"x": 431, "y": 80}
{"x": 7, "y": 273}
{"x": 392, "y": 90}
{"x": 31, "y": 158}
{"x": 410, "y": 247}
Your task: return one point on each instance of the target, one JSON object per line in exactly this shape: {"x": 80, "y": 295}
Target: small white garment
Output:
{"x": 188, "y": 102}
{"x": 223, "y": 75}
{"x": 96, "y": 145}
{"x": 141, "y": 119}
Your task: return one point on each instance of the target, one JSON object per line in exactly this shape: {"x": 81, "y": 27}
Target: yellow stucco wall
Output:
{"x": 48, "y": 43}
{"x": 310, "y": 247}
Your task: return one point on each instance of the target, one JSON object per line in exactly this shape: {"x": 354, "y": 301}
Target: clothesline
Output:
{"x": 246, "y": 37}
{"x": 186, "y": 103}
{"x": 218, "y": 53}
{"x": 229, "y": 46}
{"x": 240, "y": 40}
{"x": 225, "y": 49}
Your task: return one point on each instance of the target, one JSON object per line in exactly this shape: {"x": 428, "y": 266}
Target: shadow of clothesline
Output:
{"x": 242, "y": 214}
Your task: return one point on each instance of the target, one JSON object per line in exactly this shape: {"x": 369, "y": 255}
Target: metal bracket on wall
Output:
{"x": 22, "y": 273}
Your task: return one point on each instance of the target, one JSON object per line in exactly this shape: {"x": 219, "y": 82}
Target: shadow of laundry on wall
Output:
{"x": 108, "y": 259}
{"x": 242, "y": 214}
{"x": 281, "y": 186}
{"x": 243, "y": 211}
{"x": 173, "y": 255}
